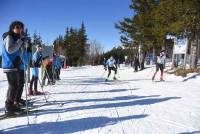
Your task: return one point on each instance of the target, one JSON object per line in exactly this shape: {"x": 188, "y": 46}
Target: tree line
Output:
{"x": 77, "y": 48}
{"x": 152, "y": 20}
{"x": 72, "y": 45}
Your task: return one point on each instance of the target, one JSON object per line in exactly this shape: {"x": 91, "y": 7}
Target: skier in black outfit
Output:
{"x": 136, "y": 64}
{"x": 111, "y": 63}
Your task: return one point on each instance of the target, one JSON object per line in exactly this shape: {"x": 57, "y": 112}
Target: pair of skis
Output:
{"x": 158, "y": 80}
{"x": 114, "y": 79}
{"x": 21, "y": 113}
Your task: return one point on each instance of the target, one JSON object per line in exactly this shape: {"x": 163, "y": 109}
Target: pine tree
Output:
{"x": 73, "y": 45}
{"x": 37, "y": 39}
{"x": 139, "y": 28}
{"x": 82, "y": 38}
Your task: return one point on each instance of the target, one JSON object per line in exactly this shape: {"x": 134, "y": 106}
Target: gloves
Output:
{"x": 24, "y": 38}
{"x": 26, "y": 46}
{"x": 115, "y": 66}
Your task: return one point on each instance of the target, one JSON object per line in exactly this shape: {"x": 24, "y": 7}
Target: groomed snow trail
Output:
{"x": 81, "y": 102}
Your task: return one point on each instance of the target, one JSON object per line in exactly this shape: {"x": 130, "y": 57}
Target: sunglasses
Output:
{"x": 18, "y": 27}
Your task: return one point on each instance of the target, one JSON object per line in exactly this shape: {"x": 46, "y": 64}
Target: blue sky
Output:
{"x": 51, "y": 17}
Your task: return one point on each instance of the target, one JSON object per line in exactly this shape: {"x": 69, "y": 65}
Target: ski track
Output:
{"x": 131, "y": 105}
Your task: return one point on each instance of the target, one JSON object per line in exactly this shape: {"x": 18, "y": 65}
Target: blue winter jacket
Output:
{"x": 57, "y": 63}
{"x": 35, "y": 71}
{"x": 11, "y": 54}
{"x": 36, "y": 59}
{"x": 111, "y": 63}
{"x": 25, "y": 56}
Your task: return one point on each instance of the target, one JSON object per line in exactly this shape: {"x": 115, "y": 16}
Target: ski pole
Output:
{"x": 26, "y": 79}
{"x": 152, "y": 68}
{"x": 45, "y": 71}
{"x": 48, "y": 76}
{"x": 26, "y": 88}
{"x": 103, "y": 73}
{"x": 118, "y": 74}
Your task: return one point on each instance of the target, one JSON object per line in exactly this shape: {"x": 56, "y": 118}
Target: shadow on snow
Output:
{"x": 70, "y": 126}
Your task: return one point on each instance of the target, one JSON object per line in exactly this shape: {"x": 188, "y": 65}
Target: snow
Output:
{"x": 81, "y": 102}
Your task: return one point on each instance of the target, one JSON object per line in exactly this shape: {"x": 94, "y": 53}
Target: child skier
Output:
{"x": 36, "y": 62}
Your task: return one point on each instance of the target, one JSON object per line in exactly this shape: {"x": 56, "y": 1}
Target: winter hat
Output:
{"x": 10, "y": 32}
{"x": 162, "y": 53}
{"x": 38, "y": 46}
{"x": 15, "y": 23}
{"x": 111, "y": 57}
{"x": 163, "y": 50}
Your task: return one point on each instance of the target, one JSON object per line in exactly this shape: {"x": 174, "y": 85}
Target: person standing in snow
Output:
{"x": 111, "y": 63}
{"x": 57, "y": 67}
{"x": 136, "y": 64}
{"x": 160, "y": 61}
{"x": 36, "y": 62}
{"x": 13, "y": 58}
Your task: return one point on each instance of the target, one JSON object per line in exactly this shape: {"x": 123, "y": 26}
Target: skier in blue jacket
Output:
{"x": 36, "y": 62}
{"x": 57, "y": 66}
{"x": 13, "y": 60}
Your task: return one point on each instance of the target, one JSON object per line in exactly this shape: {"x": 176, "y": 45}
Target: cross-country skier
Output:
{"x": 36, "y": 62}
{"x": 57, "y": 67}
{"x": 160, "y": 61}
{"x": 111, "y": 63}
{"x": 12, "y": 64}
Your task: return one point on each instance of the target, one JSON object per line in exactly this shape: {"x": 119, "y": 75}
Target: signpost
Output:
{"x": 180, "y": 47}
{"x": 139, "y": 52}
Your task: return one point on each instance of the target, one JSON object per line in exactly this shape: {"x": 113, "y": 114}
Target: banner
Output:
{"x": 180, "y": 46}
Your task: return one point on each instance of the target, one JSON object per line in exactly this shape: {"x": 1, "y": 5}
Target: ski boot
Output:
{"x": 12, "y": 108}
{"x": 161, "y": 79}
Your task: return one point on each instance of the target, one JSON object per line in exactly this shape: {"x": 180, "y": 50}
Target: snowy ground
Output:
{"x": 83, "y": 103}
